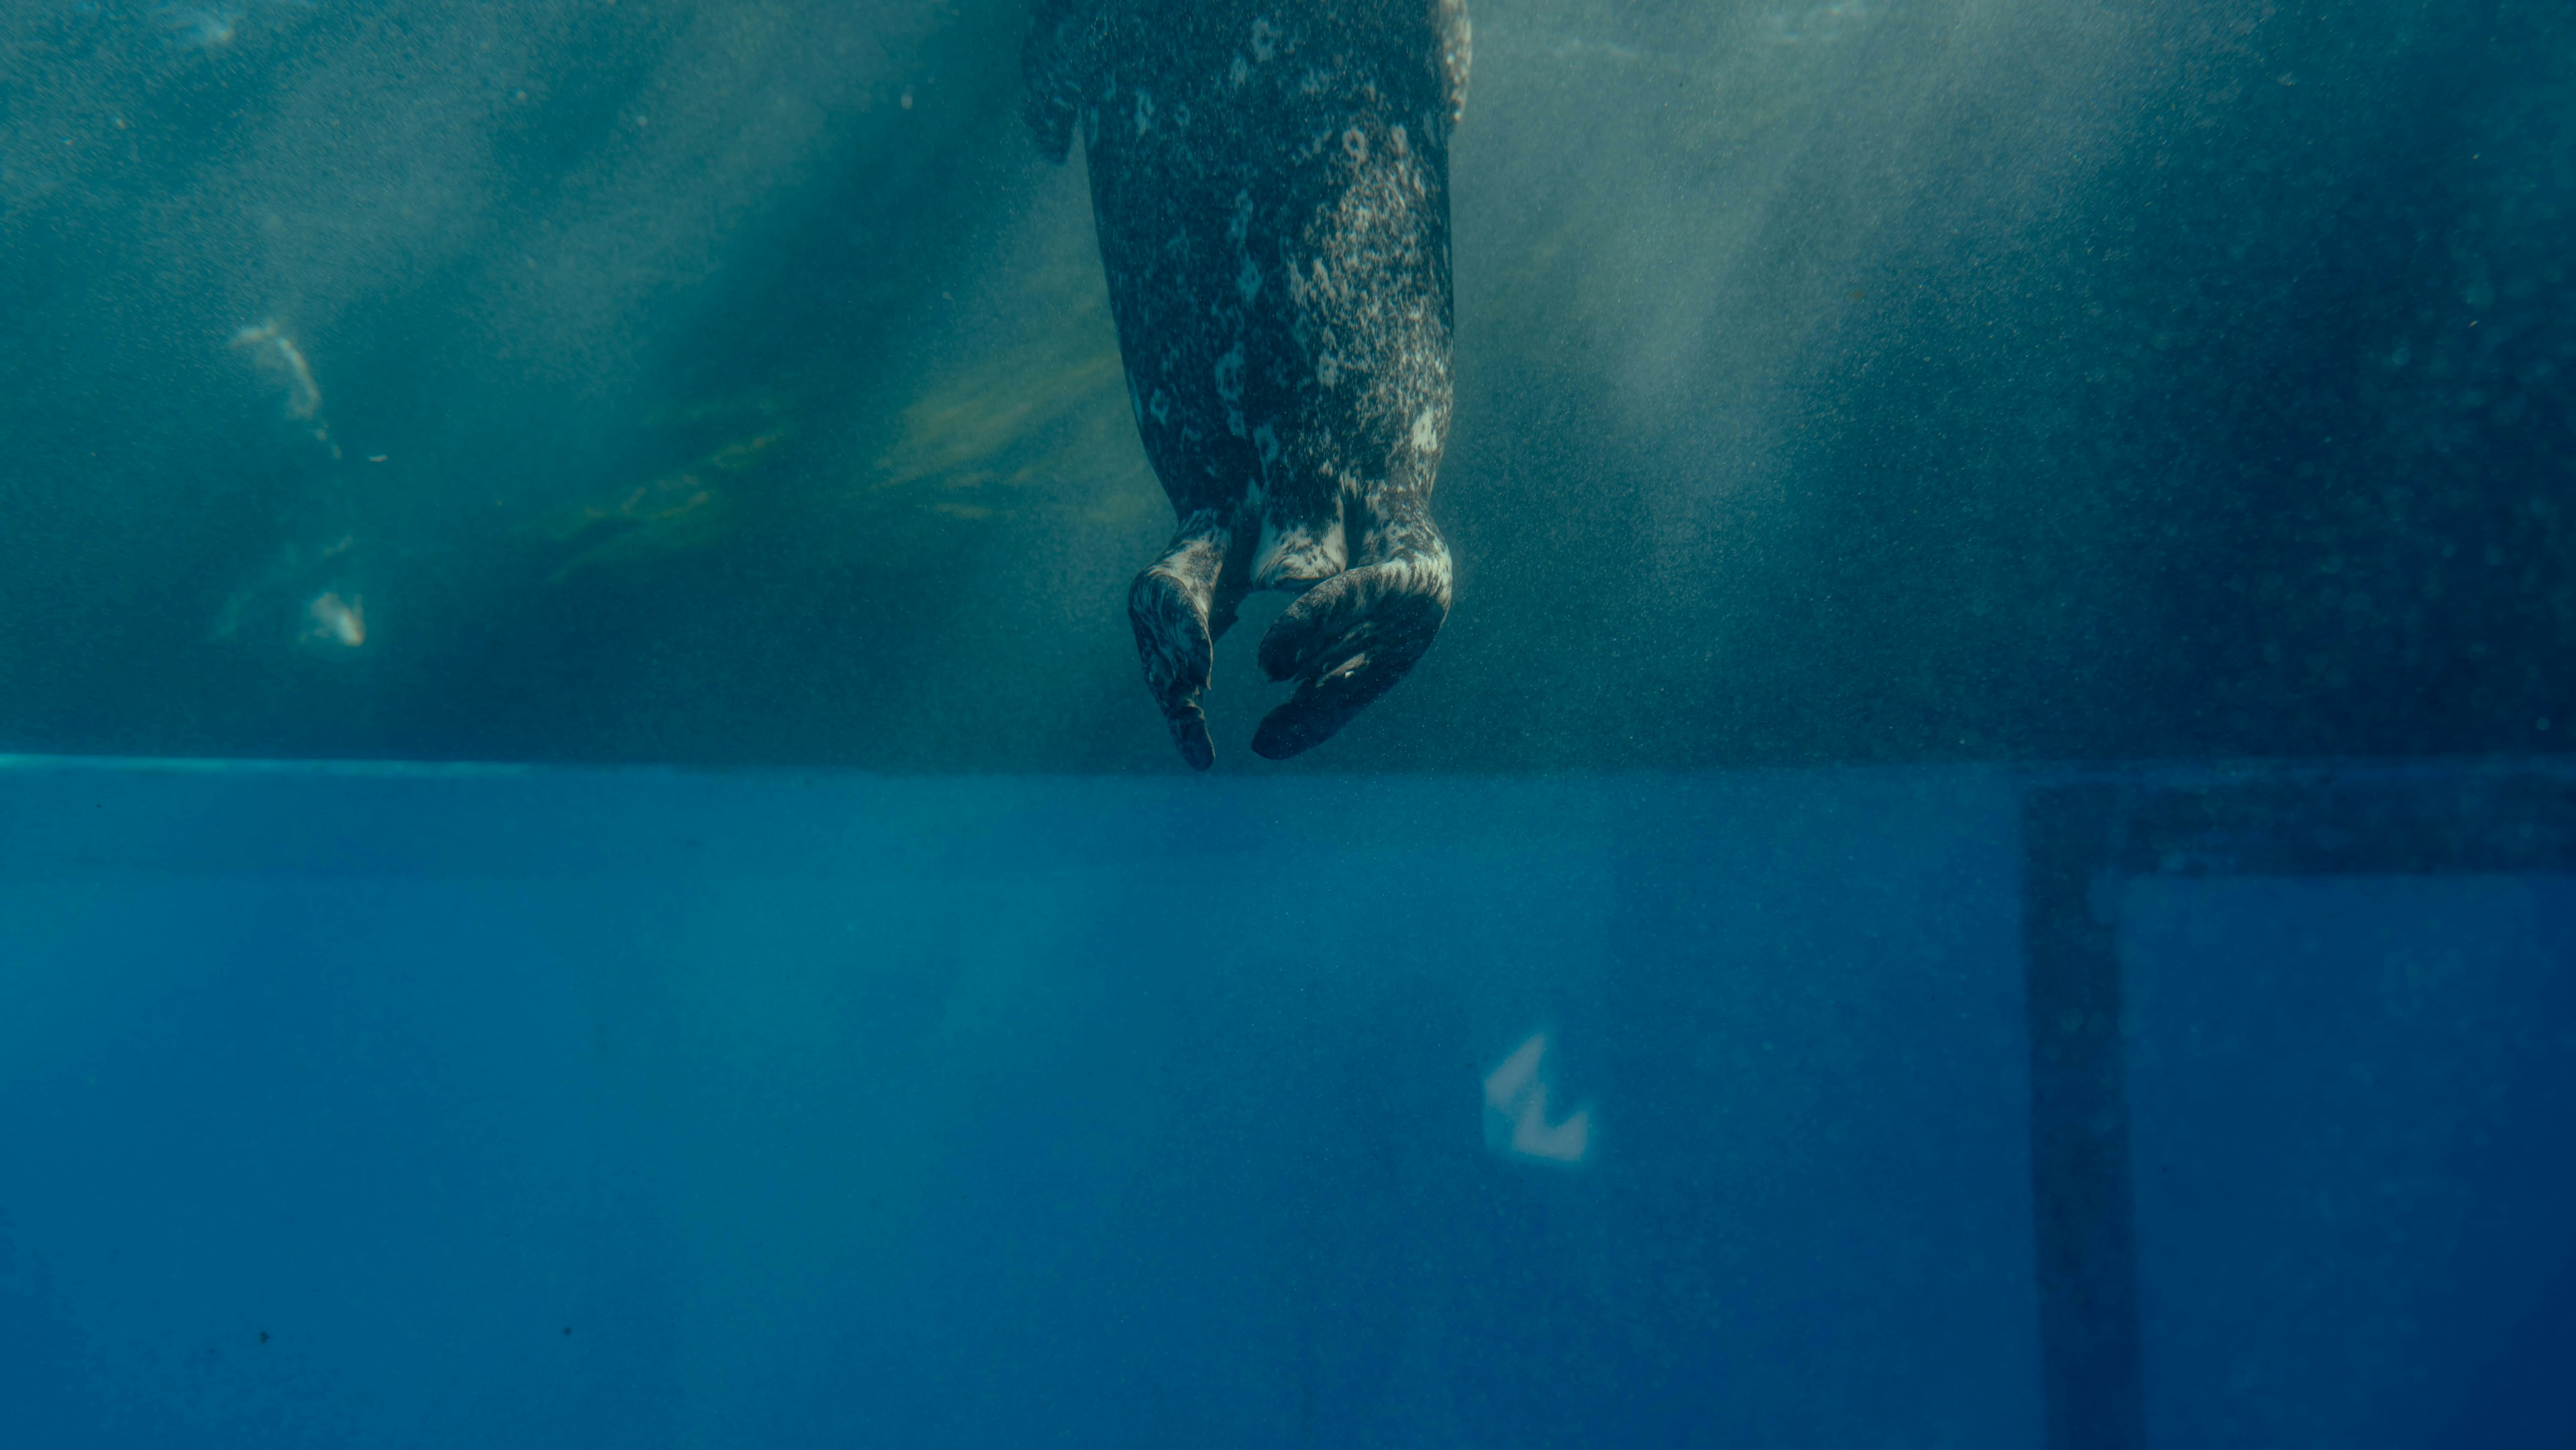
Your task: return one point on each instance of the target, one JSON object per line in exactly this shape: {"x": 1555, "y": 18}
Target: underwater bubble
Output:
{"x": 331, "y": 620}
{"x": 187, "y": 28}
{"x": 276, "y": 354}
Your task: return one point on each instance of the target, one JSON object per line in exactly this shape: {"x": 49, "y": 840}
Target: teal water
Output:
{"x": 1886, "y": 381}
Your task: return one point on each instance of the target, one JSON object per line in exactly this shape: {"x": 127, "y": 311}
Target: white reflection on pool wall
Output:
{"x": 1516, "y": 1124}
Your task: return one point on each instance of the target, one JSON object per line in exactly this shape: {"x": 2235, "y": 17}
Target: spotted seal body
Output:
{"x": 1271, "y": 186}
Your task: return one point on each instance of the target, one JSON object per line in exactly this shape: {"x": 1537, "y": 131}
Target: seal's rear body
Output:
{"x": 1270, "y": 184}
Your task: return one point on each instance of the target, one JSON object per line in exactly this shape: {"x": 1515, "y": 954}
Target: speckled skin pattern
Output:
{"x": 1271, "y": 186}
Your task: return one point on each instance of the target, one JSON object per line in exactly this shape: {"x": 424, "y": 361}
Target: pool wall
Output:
{"x": 415, "y": 1105}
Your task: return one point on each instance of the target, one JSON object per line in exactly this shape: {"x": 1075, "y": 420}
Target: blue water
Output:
{"x": 406, "y": 1106}
{"x": 1986, "y": 856}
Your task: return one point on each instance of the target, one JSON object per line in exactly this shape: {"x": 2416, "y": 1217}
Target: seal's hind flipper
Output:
{"x": 1170, "y": 606}
{"x": 1347, "y": 641}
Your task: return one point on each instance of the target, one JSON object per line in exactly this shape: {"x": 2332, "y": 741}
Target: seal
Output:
{"x": 1270, "y": 182}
